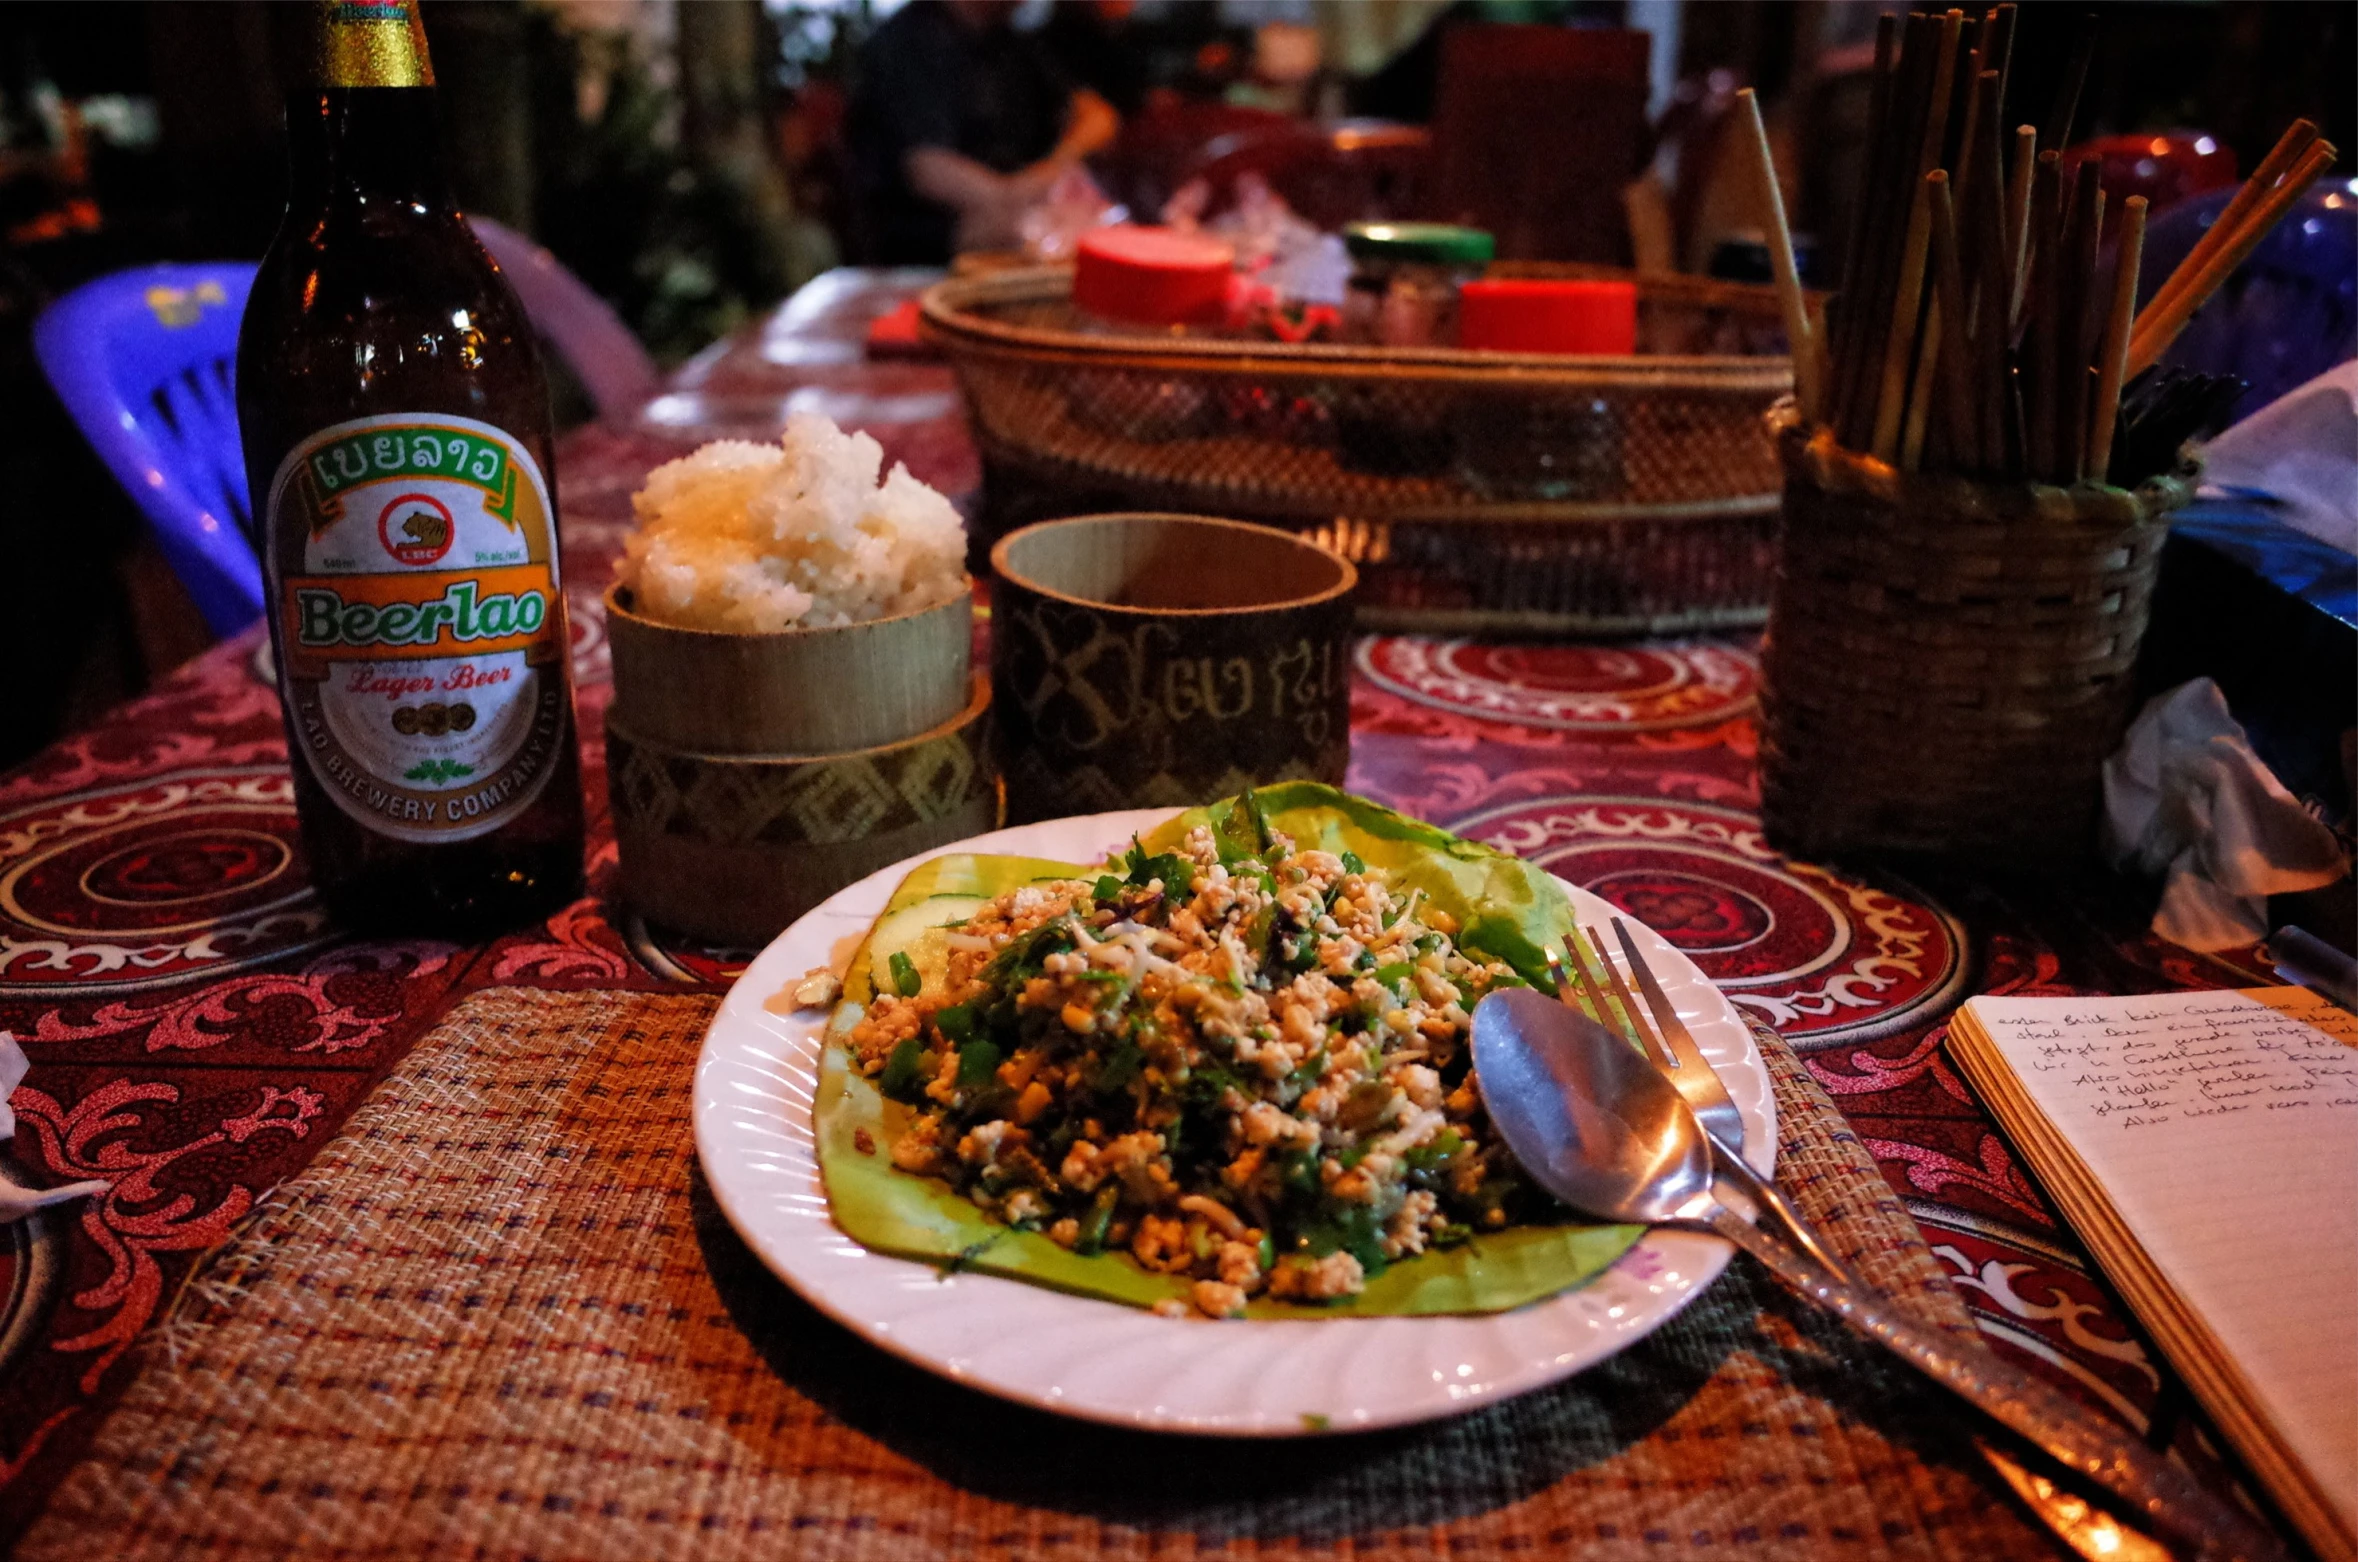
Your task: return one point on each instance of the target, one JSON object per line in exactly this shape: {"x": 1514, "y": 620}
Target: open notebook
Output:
{"x": 2205, "y": 1147}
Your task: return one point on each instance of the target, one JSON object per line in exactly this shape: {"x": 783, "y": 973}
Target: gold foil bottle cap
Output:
{"x": 371, "y": 43}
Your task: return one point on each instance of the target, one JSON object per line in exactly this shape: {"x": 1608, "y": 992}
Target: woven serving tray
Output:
{"x": 1473, "y": 490}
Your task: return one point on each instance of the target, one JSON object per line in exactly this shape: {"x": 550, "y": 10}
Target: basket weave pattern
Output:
{"x": 1948, "y": 662}
{"x": 499, "y": 1317}
{"x": 1640, "y": 485}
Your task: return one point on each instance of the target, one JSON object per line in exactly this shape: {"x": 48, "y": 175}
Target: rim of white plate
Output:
{"x": 1123, "y": 1366}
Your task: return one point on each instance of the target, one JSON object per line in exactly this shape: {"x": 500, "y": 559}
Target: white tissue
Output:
{"x": 2300, "y": 450}
{"x": 2186, "y": 798}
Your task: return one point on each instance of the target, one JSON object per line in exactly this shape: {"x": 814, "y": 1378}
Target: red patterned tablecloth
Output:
{"x": 197, "y": 1029}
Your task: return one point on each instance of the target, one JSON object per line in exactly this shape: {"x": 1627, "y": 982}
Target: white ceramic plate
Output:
{"x": 1107, "y": 1362}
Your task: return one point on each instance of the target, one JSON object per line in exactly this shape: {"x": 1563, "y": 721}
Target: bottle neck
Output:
{"x": 370, "y": 143}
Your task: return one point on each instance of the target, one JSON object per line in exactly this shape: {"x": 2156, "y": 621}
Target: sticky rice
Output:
{"x": 798, "y": 535}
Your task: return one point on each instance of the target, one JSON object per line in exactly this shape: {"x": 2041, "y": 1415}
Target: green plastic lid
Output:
{"x": 1433, "y": 243}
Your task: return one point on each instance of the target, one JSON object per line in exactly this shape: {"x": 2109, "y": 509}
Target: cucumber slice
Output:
{"x": 916, "y": 930}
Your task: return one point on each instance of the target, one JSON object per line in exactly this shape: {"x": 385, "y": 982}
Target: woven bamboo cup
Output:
{"x": 1948, "y": 661}
{"x": 1166, "y": 660}
{"x": 753, "y": 775}
{"x": 799, "y": 691}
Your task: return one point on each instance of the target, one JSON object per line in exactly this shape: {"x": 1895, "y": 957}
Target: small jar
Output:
{"x": 1155, "y": 278}
{"x": 1553, "y": 443}
{"x": 1142, "y": 282}
{"x": 1404, "y": 281}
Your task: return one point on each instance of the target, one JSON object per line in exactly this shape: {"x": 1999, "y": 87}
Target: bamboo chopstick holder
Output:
{"x": 2113, "y": 363}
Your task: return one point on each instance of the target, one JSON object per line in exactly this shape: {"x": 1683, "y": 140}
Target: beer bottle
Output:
{"x": 397, "y": 442}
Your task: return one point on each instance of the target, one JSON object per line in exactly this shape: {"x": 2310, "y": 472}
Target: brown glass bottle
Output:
{"x": 397, "y": 440}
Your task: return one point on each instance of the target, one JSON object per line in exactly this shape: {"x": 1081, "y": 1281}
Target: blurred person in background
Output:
{"x": 958, "y": 123}
{"x": 1093, "y": 43}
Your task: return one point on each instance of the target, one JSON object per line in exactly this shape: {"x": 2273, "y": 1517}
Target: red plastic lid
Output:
{"x": 1154, "y": 276}
{"x": 1517, "y": 315}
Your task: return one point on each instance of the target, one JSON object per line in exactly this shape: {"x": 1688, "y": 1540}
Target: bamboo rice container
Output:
{"x": 753, "y": 775}
{"x": 798, "y": 691}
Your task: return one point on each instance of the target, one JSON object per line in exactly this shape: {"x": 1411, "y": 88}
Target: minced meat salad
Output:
{"x": 1253, "y": 1073}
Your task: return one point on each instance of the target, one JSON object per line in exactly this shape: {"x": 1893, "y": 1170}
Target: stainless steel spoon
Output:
{"x": 1599, "y": 1127}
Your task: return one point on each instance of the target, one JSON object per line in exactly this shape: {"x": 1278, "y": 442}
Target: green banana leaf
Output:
{"x": 1505, "y": 908}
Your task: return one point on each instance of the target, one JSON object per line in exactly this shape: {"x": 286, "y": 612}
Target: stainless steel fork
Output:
{"x": 1671, "y": 1047}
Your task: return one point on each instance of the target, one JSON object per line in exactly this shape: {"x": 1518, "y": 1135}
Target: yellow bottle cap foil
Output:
{"x": 371, "y": 43}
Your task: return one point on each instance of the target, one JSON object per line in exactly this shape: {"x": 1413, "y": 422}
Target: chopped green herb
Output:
{"x": 960, "y": 1023}
{"x": 1436, "y": 1152}
{"x": 1316, "y": 1422}
{"x": 1352, "y": 863}
{"x": 1177, "y": 874}
{"x": 1243, "y": 832}
{"x": 1348, "y": 1228}
{"x": 1093, "y": 1226}
{"x": 1109, "y": 888}
{"x": 905, "y": 979}
{"x": 978, "y": 1064}
{"x": 899, "y": 1079}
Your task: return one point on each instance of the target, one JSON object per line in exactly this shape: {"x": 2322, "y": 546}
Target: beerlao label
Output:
{"x": 413, "y": 569}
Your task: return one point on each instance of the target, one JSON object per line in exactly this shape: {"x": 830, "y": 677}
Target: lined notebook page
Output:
{"x": 2223, "y": 1127}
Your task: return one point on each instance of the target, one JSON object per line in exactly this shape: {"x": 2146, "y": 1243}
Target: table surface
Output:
{"x": 198, "y": 1030}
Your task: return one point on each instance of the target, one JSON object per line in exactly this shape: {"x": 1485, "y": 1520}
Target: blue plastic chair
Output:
{"x": 145, "y": 361}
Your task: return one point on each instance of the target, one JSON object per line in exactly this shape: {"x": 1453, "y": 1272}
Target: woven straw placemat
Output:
{"x": 499, "y": 1316}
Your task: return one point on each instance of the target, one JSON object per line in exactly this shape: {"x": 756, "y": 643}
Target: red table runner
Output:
{"x": 197, "y": 1029}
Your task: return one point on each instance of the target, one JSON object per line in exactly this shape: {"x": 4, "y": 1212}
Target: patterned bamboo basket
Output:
{"x": 751, "y": 776}
{"x": 1949, "y": 662}
{"x": 1473, "y": 490}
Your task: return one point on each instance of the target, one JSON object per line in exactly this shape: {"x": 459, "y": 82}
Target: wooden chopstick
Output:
{"x": 1997, "y": 45}
{"x": 1993, "y": 321}
{"x": 2056, "y": 133}
{"x": 1976, "y": 331}
{"x": 2039, "y": 345}
{"x": 2156, "y": 329}
{"x": 2083, "y": 223}
{"x": 1846, "y": 314}
{"x": 1886, "y": 213}
{"x": 1907, "y": 301}
{"x": 2018, "y": 205}
{"x": 2113, "y": 361}
{"x": 1955, "y": 350}
{"x": 2281, "y": 159}
{"x": 1798, "y": 334}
